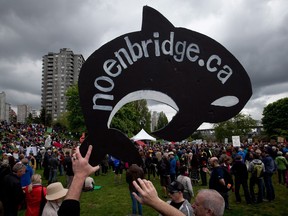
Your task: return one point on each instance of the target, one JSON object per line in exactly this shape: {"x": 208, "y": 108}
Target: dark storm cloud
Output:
{"x": 256, "y": 32}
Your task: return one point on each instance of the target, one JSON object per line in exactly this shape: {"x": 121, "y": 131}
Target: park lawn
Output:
{"x": 114, "y": 199}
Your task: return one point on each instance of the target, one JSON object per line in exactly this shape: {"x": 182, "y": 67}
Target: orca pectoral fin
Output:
{"x": 96, "y": 156}
{"x": 123, "y": 148}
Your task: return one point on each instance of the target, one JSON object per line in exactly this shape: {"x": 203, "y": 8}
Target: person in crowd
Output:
{"x": 194, "y": 168}
{"x": 286, "y": 173}
{"x": 32, "y": 161}
{"x": 240, "y": 172}
{"x": 45, "y": 164}
{"x": 33, "y": 196}
{"x": 208, "y": 202}
{"x": 133, "y": 173}
{"x": 5, "y": 169}
{"x": 39, "y": 159}
{"x": 242, "y": 154}
{"x": 54, "y": 196}
{"x": 82, "y": 169}
{"x": 172, "y": 161}
{"x": 60, "y": 158}
{"x": 281, "y": 163}
{"x": 53, "y": 168}
{"x": 186, "y": 182}
{"x": 270, "y": 168}
{"x": 150, "y": 165}
{"x": 105, "y": 165}
{"x": 88, "y": 184}
{"x": 11, "y": 160}
{"x": 256, "y": 168}
{"x": 203, "y": 161}
{"x": 12, "y": 190}
{"x": 67, "y": 165}
{"x": 164, "y": 173}
{"x": 5, "y": 158}
{"x": 217, "y": 180}
{"x": 118, "y": 171}
{"x": 26, "y": 178}
{"x": 176, "y": 190}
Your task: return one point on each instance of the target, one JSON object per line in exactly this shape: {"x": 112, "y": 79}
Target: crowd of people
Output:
{"x": 219, "y": 168}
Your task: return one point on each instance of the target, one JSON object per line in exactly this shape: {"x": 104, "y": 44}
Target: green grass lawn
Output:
{"x": 114, "y": 199}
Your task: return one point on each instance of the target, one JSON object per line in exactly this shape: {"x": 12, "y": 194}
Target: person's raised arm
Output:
{"x": 149, "y": 196}
{"x": 81, "y": 169}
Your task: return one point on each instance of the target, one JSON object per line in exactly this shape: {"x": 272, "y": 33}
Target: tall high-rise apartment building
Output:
{"x": 4, "y": 108}
{"x": 59, "y": 72}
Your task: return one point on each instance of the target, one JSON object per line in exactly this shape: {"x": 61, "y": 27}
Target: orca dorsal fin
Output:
{"x": 154, "y": 21}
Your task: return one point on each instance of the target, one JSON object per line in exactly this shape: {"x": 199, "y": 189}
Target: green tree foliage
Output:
{"x": 29, "y": 119}
{"x": 275, "y": 118}
{"x": 132, "y": 117}
{"x": 42, "y": 116}
{"x": 45, "y": 118}
{"x": 74, "y": 112}
{"x": 240, "y": 125}
{"x": 162, "y": 121}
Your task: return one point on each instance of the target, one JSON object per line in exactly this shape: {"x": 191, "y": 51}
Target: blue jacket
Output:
{"x": 173, "y": 166}
{"x": 26, "y": 178}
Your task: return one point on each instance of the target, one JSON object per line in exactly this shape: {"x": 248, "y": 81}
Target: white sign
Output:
{"x": 31, "y": 149}
{"x": 226, "y": 140}
{"x": 236, "y": 141}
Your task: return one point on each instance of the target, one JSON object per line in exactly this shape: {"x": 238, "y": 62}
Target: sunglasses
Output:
{"x": 172, "y": 192}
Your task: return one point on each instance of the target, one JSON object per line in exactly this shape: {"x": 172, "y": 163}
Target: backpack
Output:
{"x": 257, "y": 170}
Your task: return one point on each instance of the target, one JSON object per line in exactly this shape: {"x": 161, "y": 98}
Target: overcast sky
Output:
{"x": 254, "y": 31}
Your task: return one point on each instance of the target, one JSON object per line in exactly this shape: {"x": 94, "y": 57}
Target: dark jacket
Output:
{"x": 14, "y": 194}
{"x": 239, "y": 170}
{"x": 68, "y": 166}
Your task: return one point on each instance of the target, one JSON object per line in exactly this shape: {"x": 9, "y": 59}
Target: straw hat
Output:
{"x": 55, "y": 191}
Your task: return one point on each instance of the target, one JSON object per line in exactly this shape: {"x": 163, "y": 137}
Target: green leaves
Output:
{"x": 239, "y": 125}
{"x": 275, "y": 118}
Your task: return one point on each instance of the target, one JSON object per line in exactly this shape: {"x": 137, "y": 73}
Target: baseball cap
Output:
{"x": 175, "y": 187}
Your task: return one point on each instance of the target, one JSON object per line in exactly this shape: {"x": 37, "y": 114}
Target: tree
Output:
{"x": 240, "y": 125}
{"x": 132, "y": 117}
{"x": 275, "y": 118}
{"x": 45, "y": 118}
{"x": 129, "y": 119}
{"x": 29, "y": 119}
{"x": 162, "y": 121}
{"x": 42, "y": 116}
{"x": 74, "y": 112}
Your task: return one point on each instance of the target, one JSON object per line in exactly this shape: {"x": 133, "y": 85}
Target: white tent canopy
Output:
{"x": 143, "y": 135}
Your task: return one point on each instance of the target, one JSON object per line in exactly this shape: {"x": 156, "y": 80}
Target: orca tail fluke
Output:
{"x": 123, "y": 150}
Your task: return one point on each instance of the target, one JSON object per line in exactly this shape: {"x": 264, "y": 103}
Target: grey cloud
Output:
{"x": 256, "y": 32}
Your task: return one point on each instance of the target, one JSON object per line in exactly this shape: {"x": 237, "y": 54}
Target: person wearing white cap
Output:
{"x": 54, "y": 197}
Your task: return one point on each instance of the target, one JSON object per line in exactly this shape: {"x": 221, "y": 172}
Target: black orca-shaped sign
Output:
{"x": 187, "y": 70}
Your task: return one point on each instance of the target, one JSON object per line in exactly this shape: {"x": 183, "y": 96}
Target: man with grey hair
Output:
{"x": 12, "y": 189}
{"x": 208, "y": 202}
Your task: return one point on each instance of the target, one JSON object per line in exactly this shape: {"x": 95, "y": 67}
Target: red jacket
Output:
{"x": 33, "y": 200}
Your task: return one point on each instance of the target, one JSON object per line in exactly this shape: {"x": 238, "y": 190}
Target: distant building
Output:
{"x": 154, "y": 120}
{"x": 23, "y": 112}
{"x": 4, "y": 108}
{"x": 35, "y": 113}
{"x": 59, "y": 72}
